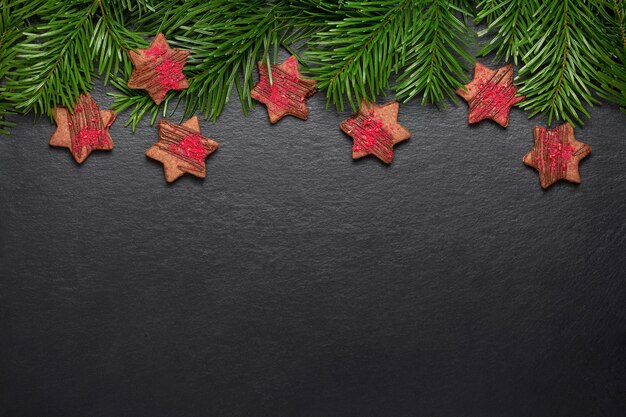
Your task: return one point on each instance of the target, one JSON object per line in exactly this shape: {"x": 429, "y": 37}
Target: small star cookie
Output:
{"x": 375, "y": 129}
{"x": 158, "y": 69}
{"x": 556, "y": 154}
{"x": 491, "y": 94}
{"x": 83, "y": 131}
{"x": 287, "y": 93}
{"x": 182, "y": 149}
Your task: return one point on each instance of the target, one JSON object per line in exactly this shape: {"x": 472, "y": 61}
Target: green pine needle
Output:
{"x": 562, "y": 68}
{"x": 509, "y": 21}
{"x": 355, "y": 54}
{"x": 226, "y": 39}
{"x": 54, "y": 62}
{"x": 571, "y": 52}
{"x": 436, "y": 53}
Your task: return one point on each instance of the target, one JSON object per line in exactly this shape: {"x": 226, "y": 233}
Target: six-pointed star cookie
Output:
{"x": 287, "y": 93}
{"x": 158, "y": 69}
{"x": 84, "y": 130}
{"x": 491, "y": 94}
{"x": 375, "y": 129}
{"x": 556, "y": 154}
{"x": 182, "y": 149}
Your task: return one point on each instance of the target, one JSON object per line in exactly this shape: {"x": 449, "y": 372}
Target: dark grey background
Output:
{"x": 296, "y": 282}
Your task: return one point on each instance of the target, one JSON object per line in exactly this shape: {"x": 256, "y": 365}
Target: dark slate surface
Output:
{"x": 296, "y": 282}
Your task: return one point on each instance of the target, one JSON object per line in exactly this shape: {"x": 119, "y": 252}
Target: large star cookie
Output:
{"x": 556, "y": 154}
{"x": 158, "y": 69}
{"x": 182, "y": 149}
{"x": 286, "y": 93}
{"x": 83, "y": 131}
{"x": 375, "y": 129}
{"x": 491, "y": 94}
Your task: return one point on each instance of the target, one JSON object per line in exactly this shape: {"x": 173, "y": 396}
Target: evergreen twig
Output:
{"x": 571, "y": 52}
{"x": 54, "y": 62}
{"x": 226, "y": 39}
{"x": 569, "y": 58}
{"x": 562, "y": 68}
{"x": 355, "y": 54}
{"x": 509, "y": 21}
{"x": 436, "y": 53}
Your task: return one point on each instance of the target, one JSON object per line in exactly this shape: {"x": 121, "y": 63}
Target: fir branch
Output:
{"x": 140, "y": 104}
{"x": 111, "y": 40}
{"x": 437, "y": 54}
{"x": 306, "y": 18}
{"x": 54, "y": 62}
{"x": 355, "y": 56}
{"x": 618, "y": 7}
{"x": 226, "y": 39}
{"x": 509, "y": 21}
{"x": 561, "y": 68}
{"x": 13, "y": 16}
{"x": 614, "y": 76}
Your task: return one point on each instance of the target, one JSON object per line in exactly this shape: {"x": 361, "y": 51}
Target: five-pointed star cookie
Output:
{"x": 287, "y": 93}
{"x": 158, "y": 69}
{"x": 556, "y": 154}
{"x": 375, "y": 129}
{"x": 491, "y": 94}
{"x": 182, "y": 149}
{"x": 83, "y": 131}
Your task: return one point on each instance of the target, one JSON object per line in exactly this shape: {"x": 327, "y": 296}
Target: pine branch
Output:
{"x": 14, "y": 14}
{"x": 437, "y": 54}
{"x": 354, "y": 56}
{"x": 9, "y": 33}
{"x": 614, "y": 76}
{"x": 509, "y": 21}
{"x": 111, "y": 40}
{"x": 226, "y": 39}
{"x": 619, "y": 7}
{"x": 140, "y": 104}
{"x": 306, "y": 18}
{"x": 54, "y": 62}
{"x": 562, "y": 68}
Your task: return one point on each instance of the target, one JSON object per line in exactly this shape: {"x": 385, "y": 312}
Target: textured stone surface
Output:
{"x": 294, "y": 281}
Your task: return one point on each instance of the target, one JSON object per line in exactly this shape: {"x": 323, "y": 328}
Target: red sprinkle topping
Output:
{"x": 284, "y": 90}
{"x": 190, "y": 147}
{"x": 156, "y": 50}
{"x": 554, "y": 151}
{"x": 86, "y": 137}
{"x": 368, "y": 136}
{"x": 169, "y": 74}
{"x": 278, "y": 97}
{"x": 495, "y": 96}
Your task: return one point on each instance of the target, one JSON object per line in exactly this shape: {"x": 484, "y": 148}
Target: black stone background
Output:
{"x": 294, "y": 281}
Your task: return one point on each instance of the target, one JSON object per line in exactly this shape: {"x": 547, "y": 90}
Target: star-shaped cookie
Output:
{"x": 182, "y": 149}
{"x": 556, "y": 154}
{"x": 375, "y": 129}
{"x": 287, "y": 93}
{"x": 491, "y": 94}
{"x": 83, "y": 131}
{"x": 158, "y": 69}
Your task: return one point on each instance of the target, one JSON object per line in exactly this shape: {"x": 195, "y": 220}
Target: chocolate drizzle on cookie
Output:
{"x": 186, "y": 144}
{"x": 83, "y": 130}
{"x": 287, "y": 91}
{"x": 375, "y": 130}
{"x": 182, "y": 149}
{"x": 369, "y": 136}
{"x": 556, "y": 154}
{"x": 158, "y": 69}
{"x": 491, "y": 94}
